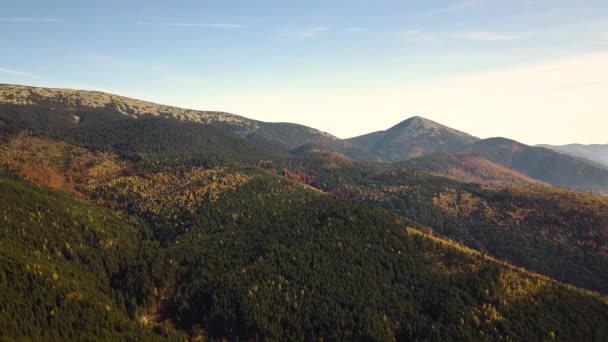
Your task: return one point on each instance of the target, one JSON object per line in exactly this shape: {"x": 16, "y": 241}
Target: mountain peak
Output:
{"x": 417, "y": 118}
{"x": 417, "y": 126}
{"x": 418, "y": 122}
{"x": 413, "y": 137}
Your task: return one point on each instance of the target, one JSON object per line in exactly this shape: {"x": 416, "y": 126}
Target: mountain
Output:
{"x": 71, "y": 167}
{"x": 559, "y": 233}
{"x": 101, "y": 120}
{"x": 338, "y": 147}
{"x": 129, "y": 126}
{"x": 58, "y": 259}
{"x": 222, "y": 256}
{"x": 158, "y": 227}
{"x": 542, "y": 164}
{"x": 468, "y": 168}
{"x": 412, "y": 138}
{"x": 597, "y": 153}
{"x": 62, "y": 109}
{"x": 556, "y": 232}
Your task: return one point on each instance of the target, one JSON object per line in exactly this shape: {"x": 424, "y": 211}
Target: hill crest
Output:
{"x": 412, "y": 138}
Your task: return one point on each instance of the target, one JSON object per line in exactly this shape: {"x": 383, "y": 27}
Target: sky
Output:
{"x": 531, "y": 70}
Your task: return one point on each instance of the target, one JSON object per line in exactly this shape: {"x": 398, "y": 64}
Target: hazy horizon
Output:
{"x": 530, "y": 70}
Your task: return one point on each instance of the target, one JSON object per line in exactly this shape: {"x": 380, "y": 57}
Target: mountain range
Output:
{"x": 597, "y": 153}
{"x": 73, "y": 111}
{"x": 124, "y": 219}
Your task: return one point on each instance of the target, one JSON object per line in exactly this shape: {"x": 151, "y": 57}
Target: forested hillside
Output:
{"x": 467, "y": 168}
{"x": 269, "y": 258}
{"x": 61, "y": 109}
{"x": 123, "y": 225}
{"x": 245, "y": 264}
{"x": 559, "y": 233}
{"x": 59, "y": 260}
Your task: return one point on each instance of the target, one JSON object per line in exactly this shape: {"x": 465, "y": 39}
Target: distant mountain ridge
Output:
{"x": 471, "y": 169}
{"x": 412, "y": 138}
{"x": 76, "y": 108}
{"x": 595, "y": 152}
{"x": 80, "y": 115}
{"x": 542, "y": 164}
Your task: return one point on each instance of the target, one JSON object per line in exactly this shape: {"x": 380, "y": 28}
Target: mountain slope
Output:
{"x": 559, "y": 233}
{"x": 542, "y": 164}
{"x": 230, "y": 250}
{"x": 272, "y": 259}
{"x": 468, "y": 168}
{"x": 597, "y": 153}
{"x": 556, "y": 232}
{"x": 61, "y": 109}
{"x": 161, "y": 137}
{"x": 58, "y": 259}
{"x": 497, "y": 222}
{"x": 242, "y": 249}
{"x": 411, "y": 138}
{"x": 338, "y": 147}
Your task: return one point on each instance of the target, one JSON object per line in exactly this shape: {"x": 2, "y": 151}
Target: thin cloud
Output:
{"x": 417, "y": 36}
{"x": 313, "y": 32}
{"x": 547, "y": 8}
{"x": 33, "y": 20}
{"x": 310, "y": 32}
{"x": 356, "y": 29}
{"x": 225, "y": 26}
{"x": 595, "y": 28}
{"x": 183, "y": 24}
{"x": 553, "y": 12}
{"x": 228, "y": 26}
{"x": 486, "y": 36}
{"x": 18, "y": 73}
{"x": 457, "y": 7}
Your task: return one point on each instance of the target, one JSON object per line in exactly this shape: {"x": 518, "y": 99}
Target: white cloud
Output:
{"x": 417, "y": 36}
{"x": 598, "y": 28}
{"x": 183, "y": 24}
{"x": 457, "y": 7}
{"x": 17, "y": 73}
{"x": 226, "y": 26}
{"x": 356, "y": 29}
{"x": 487, "y": 36}
{"x": 313, "y": 32}
{"x": 33, "y": 20}
{"x": 553, "y": 12}
{"x": 420, "y": 36}
{"x": 305, "y": 33}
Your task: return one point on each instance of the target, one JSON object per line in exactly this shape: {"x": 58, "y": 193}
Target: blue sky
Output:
{"x": 490, "y": 67}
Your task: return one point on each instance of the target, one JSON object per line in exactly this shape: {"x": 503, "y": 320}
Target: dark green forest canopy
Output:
{"x": 245, "y": 264}
{"x": 556, "y": 232}
{"x": 58, "y": 258}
